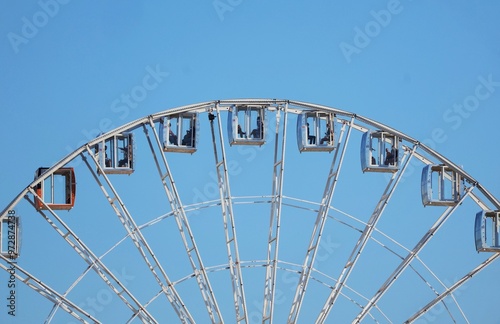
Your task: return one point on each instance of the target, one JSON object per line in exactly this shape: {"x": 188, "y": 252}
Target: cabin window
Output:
{"x": 487, "y": 231}
{"x": 315, "y": 131}
{"x": 57, "y": 191}
{"x": 246, "y": 125}
{"x": 440, "y": 185}
{"x": 379, "y": 152}
{"x": 179, "y": 132}
{"x": 116, "y": 154}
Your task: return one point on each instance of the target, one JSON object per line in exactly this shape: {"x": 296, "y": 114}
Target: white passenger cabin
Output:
{"x": 315, "y": 131}
{"x": 246, "y": 125}
{"x": 440, "y": 186}
{"x": 179, "y": 132}
{"x": 379, "y": 152}
{"x": 487, "y": 231}
{"x": 116, "y": 154}
{"x": 10, "y": 237}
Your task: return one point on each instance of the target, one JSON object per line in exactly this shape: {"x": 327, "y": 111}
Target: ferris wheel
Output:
{"x": 252, "y": 211}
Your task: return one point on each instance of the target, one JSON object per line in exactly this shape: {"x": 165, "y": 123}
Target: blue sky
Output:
{"x": 73, "y": 69}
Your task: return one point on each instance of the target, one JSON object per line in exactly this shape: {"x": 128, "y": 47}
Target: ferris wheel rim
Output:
{"x": 209, "y": 106}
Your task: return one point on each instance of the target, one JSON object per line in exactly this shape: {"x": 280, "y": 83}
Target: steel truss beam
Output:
{"x": 94, "y": 262}
{"x": 454, "y": 287}
{"x": 319, "y": 225}
{"x": 274, "y": 226}
{"x": 365, "y": 236}
{"x": 46, "y": 291}
{"x": 184, "y": 227}
{"x": 228, "y": 218}
{"x": 409, "y": 258}
{"x": 140, "y": 242}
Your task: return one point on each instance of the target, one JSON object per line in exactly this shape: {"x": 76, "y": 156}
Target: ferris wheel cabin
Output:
{"x": 57, "y": 191}
{"x": 315, "y": 131}
{"x": 379, "y": 152}
{"x": 10, "y": 237}
{"x": 179, "y": 133}
{"x": 115, "y": 155}
{"x": 487, "y": 222}
{"x": 246, "y": 125}
{"x": 440, "y": 186}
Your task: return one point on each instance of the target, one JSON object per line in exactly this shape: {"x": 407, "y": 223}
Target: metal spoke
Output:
{"x": 274, "y": 226}
{"x": 318, "y": 226}
{"x": 184, "y": 227}
{"x": 454, "y": 287}
{"x": 94, "y": 262}
{"x": 228, "y": 218}
{"x": 409, "y": 257}
{"x": 140, "y": 243}
{"x": 46, "y": 291}
{"x": 361, "y": 243}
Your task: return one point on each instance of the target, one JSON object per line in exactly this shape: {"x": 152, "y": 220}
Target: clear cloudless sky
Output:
{"x": 71, "y": 69}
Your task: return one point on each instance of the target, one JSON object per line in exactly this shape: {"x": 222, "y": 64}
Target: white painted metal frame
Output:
{"x": 319, "y": 225}
{"x": 409, "y": 258}
{"x": 94, "y": 263}
{"x": 228, "y": 218}
{"x": 140, "y": 242}
{"x": 452, "y": 288}
{"x": 306, "y": 271}
{"x": 275, "y": 219}
{"x": 184, "y": 227}
{"x": 46, "y": 291}
{"x": 361, "y": 243}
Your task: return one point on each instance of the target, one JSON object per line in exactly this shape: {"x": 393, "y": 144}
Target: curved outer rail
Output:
{"x": 294, "y": 107}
